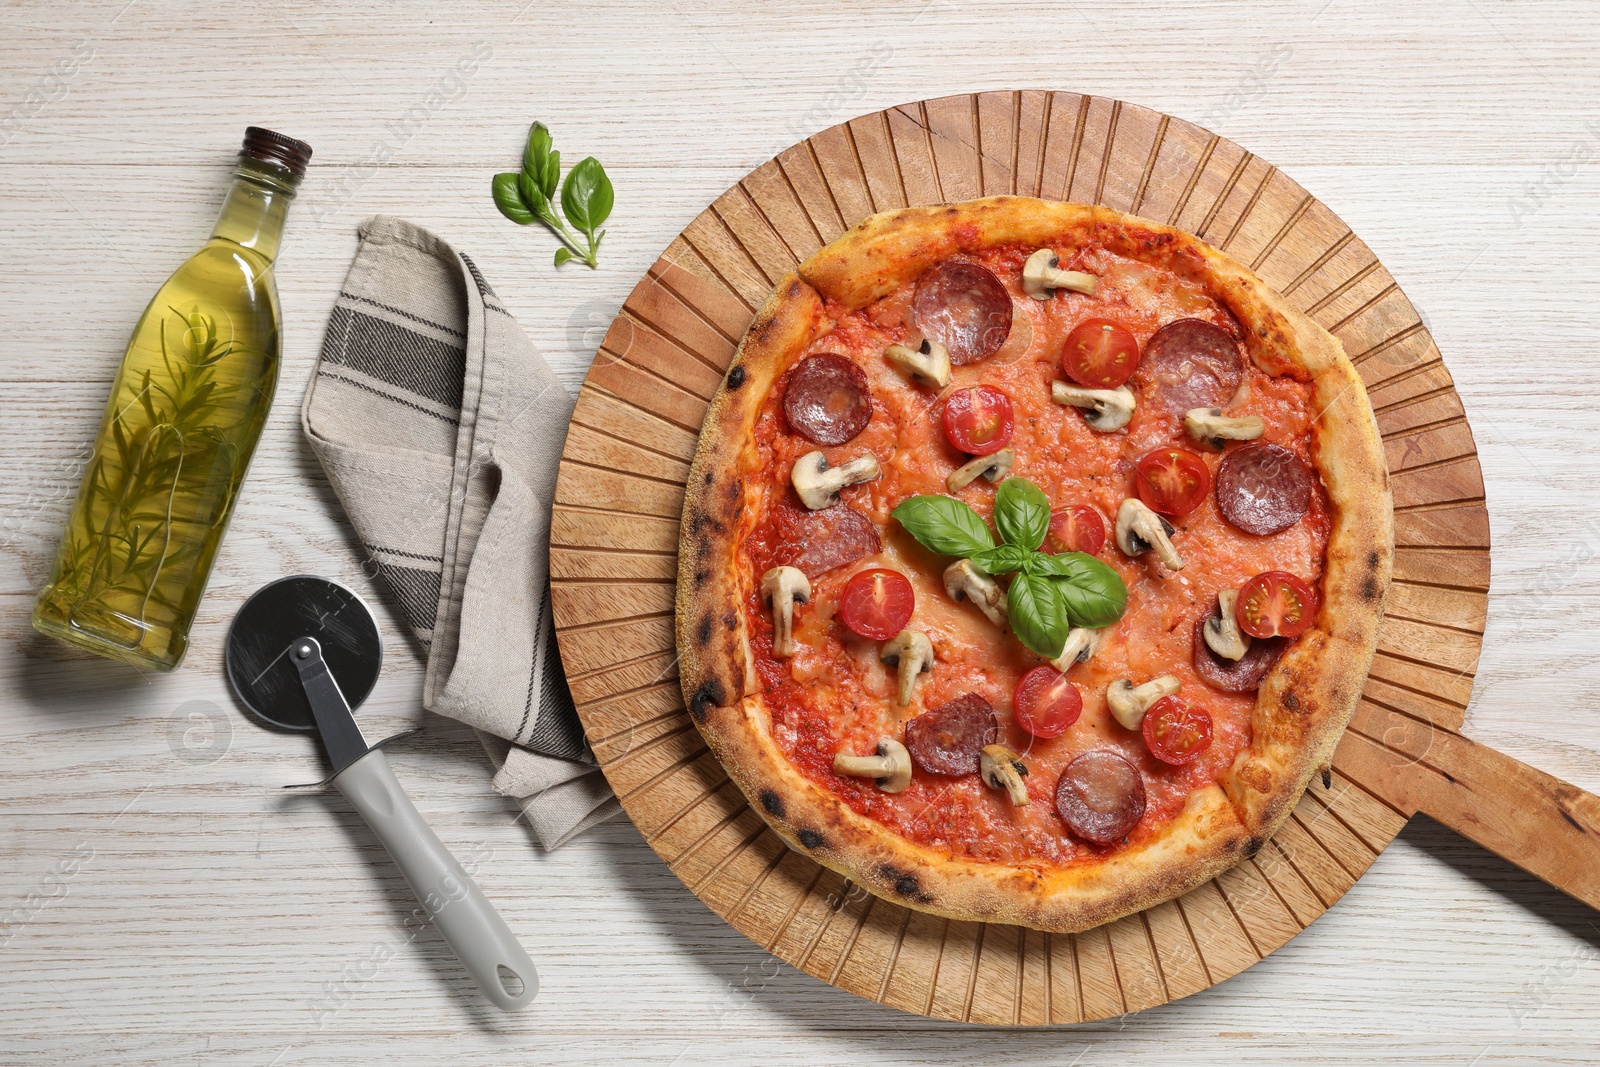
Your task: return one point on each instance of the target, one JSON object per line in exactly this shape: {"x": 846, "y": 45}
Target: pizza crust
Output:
{"x": 1302, "y": 706}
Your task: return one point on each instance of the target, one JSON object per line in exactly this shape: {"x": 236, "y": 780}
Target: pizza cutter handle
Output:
{"x": 470, "y": 924}
{"x": 1548, "y": 827}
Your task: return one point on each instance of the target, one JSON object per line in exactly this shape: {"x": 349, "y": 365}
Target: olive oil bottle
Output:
{"x": 184, "y": 416}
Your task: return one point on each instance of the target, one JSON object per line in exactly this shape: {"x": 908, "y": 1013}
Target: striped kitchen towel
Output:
{"x": 440, "y": 427}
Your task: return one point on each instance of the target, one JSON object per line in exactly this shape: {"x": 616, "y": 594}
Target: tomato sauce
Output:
{"x": 834, "y": 693}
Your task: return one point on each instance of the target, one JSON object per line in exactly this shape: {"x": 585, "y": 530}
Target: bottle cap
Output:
{"x": 276, "y": 149}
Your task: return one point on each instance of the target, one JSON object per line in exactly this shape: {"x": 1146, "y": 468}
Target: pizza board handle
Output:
{"x": 1548, "y": 827}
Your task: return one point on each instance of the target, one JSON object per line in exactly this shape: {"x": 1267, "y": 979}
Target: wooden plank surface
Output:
{"x": 1434, "y": 625}
{"x": 213, "y": 911}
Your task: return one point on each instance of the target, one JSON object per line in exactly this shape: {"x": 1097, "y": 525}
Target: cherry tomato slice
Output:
{"x": 1176, "y": 732}
{"x": 979, "y": 420}
{"x": 1275, "y": 604}
{"x": 1172, "y": 480}
{"x": 877, "y": 603}
{"x": 1099, "y": 354}
{"x": 1044, "y": 703}
{"x": 1077, "y": 528}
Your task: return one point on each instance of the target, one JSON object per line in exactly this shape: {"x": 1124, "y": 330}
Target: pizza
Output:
{"x": 1032, "y": 560}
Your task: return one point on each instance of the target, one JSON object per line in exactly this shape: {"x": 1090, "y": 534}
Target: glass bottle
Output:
{"x": 185, "y": 412}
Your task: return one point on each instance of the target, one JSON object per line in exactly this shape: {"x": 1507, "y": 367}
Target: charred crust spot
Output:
{"x": 702, "y": 551}
{"x": 772, "y": 803}
{"x": 702, "y": 632}
{"x": 1291, "y": 702}
{"x": 710, "y": 477}
{"x": 701, "y": 577}
{"x": 730, "y": 620}
{"x": 1371, "y": 589}
{"x": 700, "y": 522}
{"x": 904, "y": 883}
{"x": 736, "y": 376}
{"x": 811, "y": 839}
{"x": 709, "y": 695}
{"x": 1252, "y": 846}
{"x": 793, "y": 290}
{"x": 1327, "y": 777}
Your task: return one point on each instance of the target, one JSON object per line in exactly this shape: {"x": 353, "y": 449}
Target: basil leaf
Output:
{"x": 586, "y": 196}
{"x": 508, "y": 198}
{"x": 1093, "y": 597}
{"x": 532, "y": 194}
{"x": 1038, "y": 616}
{"x": 1002, "y": 559}
{"x": 944, "y": 525}
{"x": 550, "y": 177}
{"x": 1021, "y": 513}
{"x": 1063, "y": 565}
{"x": 536, "y": 156}
{"x": 563, "y": 254}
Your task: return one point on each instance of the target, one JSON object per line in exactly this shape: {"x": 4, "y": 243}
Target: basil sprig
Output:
{"x": 1048, "y": 594}
{"x": 527, "y": 196}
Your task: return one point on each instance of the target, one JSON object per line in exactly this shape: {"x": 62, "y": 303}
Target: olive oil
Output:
{"x": 185, "y": 412}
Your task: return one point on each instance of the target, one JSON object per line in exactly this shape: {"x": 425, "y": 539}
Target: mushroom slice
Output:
{"x": 818, "y": 484}
{"x": 928, "y": 363}
{"x": 1042, "y": 274}
{"x": 1081, "y": 644}
{"x": 963, "y": 581}
{"x": 912, "y": 653}
{"x": 1222, "y": 632}
{"x": 890, "y": 768}
{"x": 1103, "y": 409}
{"x": 1003, "y": 769}
{"x": 993, "y": 467}
{"x": 783, "y": 588}
{"x": 1128, "y": 702}
{"x": 1140, "y": 530}
{"x": 1210, "y": 427}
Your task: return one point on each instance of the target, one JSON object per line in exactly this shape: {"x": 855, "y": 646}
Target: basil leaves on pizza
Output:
{"x": 1048, "y": 594}
{"x": 1021, "y": 513}
{"x": 944, "y": 525}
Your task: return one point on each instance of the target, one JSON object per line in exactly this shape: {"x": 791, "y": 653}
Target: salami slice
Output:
{"x": 1191, "y": 363}
{"x": 948, "y": 739}
{"x": 1235, "y": 676}
{"x": 1100, "y": 797}
{"x": 964, "y": 307}
{"x": 827, "y": 400}
{"x": 819, "y": 541}
{"x": 1263, "y": 488}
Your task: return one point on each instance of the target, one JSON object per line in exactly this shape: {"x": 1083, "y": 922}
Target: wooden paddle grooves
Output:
{"x": 614, "y": 537}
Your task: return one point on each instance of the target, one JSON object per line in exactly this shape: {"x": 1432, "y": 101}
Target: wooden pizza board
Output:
{"x": 614, "y": 537}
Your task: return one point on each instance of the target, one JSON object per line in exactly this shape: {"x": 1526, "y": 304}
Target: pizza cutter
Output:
{"x": 302, "y": 653}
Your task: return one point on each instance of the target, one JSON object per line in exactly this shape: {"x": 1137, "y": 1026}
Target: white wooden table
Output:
{"x": 163, "y": 901}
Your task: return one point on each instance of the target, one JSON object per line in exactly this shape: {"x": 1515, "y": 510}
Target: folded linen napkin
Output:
{"x": 439, "y": 427}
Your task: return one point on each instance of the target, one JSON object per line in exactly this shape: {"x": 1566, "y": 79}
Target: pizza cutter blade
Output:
{"x": 301, "y": 653}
